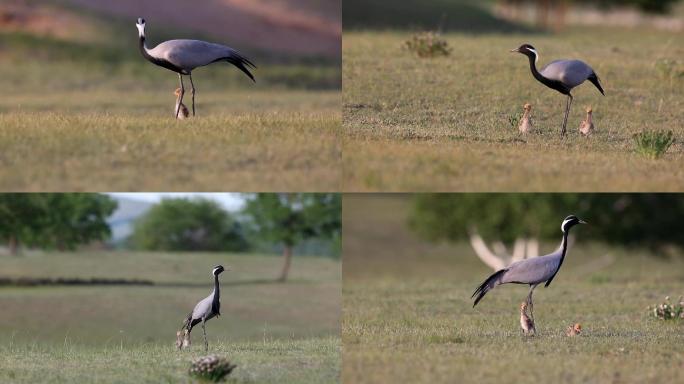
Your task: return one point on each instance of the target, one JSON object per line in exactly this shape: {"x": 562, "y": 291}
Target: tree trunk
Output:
{"x": 13, "y": 245}
{"x": 287, "y": 254}
{"x": 497, "y": 257}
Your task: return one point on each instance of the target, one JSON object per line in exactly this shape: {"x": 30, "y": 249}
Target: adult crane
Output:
{"x": 183, "y": 56}
{"x": 206, "y": 309}
{"x": 531, "y": 271}
{"x": 561, "y": 75}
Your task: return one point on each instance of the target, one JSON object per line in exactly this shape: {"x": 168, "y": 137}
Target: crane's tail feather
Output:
{"x": 487, "y": 285}
{"x": 597, "y": 82}
{"x": 241, "y": 62}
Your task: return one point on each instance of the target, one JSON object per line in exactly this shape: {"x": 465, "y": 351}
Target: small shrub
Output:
{"x": 667, "y": 310}
{"x": 211, "y": 368}
{"x": 427, "y": 44}
{"x": 653, "y": 144}
{"x": 669, "y": 69}
{"x": 514, "y": 120}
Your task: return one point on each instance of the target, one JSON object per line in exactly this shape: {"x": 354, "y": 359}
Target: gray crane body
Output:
{"x": 561, "y": 75}
{"x": 206, "y": 309}
{"x": 183, "y": 56}
{"x": 530, "y": 271}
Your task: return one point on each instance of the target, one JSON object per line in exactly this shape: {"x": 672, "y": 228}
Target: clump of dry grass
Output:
{"x": 211, "y": 368}
{"x": 427, "y": 45}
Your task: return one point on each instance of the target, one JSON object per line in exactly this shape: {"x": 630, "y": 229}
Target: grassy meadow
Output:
{"x": 274, "y": 332}
{"x": 84, "y": 111}
{"x": 408, "y": 316}
{"x": 443, "y": 124}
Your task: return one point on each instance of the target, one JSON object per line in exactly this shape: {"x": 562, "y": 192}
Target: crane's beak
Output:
{"x": 515, "y": 50}
{"x": 583, "y": 222}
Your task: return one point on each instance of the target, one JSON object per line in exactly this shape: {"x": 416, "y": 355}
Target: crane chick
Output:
{"x": 184, "y": 113}
{"x": 526, "y": 323}
{"x": 587, "y": 126}
{"x": 574, "y": 330}
{"x": 525, "y": 124}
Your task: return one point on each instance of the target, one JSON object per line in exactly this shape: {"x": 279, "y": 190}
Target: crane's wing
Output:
{"x": 190, "y": 54}
{"x": 532, "y": 271}
{"x": 570, "y": 72}
{"x": 203, "y": 308}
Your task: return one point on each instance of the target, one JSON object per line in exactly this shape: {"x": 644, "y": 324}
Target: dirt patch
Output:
{"x": 293, "y": 27}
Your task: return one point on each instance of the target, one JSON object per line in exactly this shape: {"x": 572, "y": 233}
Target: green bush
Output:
{"x": 668, "y": 311}
{"x": 427, "y": 44}
{"x": 653, "y": 144}
{"x": 211, "y": 368}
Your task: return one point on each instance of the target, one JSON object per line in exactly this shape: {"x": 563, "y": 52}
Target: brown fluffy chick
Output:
{"x": 526, "y": 323}
{"x": 183, "y": 113}
{"x": 573, "y": 330}
{"x": 525, "y": 124}
{"x": 587, "y": 126}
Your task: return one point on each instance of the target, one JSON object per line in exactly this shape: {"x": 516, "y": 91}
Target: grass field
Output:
{"x": 274, "y": 332}
{"x": 408, "y": 316}
{"x": 86, "y": 112}
{"x": 442, "y": 124}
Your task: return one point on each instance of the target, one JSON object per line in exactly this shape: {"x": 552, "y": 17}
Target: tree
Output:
{"x": 649, "y": 220}
{"x": 288, "y": 219}
{"x": 188, "y": 225}
{"x": 53, "y": 220}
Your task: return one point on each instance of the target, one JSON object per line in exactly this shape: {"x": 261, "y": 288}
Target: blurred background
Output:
{"x": 129, "y": 267}
{"x": 512, "y": 15}
{"x": 44, "y": 44}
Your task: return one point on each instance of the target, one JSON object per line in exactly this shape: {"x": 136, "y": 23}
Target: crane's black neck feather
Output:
{"x": 216, "y": 304}
{"x": 564, "y": 249}
{"x": 158, "y": 61}
{"x": 553, "y": 84}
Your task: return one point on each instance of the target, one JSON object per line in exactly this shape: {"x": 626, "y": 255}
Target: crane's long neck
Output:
{"x": 563, "y": 249}
{"x": 537, "y": 75}
{"x": 144, "y": 50}
{"x": 216, "y": 288}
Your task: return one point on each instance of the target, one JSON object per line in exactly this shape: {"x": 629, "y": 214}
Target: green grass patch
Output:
{"x": 446, "y": 124}
{"x": 653, "y": 144}
{"x": 408, "y": 314}
{"x": 273, "y": 332}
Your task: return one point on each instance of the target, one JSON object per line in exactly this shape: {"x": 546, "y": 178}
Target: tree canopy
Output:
{"x": 183, "y": 224}
{"x": 54, "y": 220}
{"x": 629, "y": 219}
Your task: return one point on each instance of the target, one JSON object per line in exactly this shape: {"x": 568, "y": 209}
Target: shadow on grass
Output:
{"x": 471, "y": 16}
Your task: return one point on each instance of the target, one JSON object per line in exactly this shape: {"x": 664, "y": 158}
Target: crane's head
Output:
{"x": 527, "y": 106}
{"x": 570, "y": 222}
{"x": 528, "y": 51}
{"x": 141, "y": 27}
{"x": 217, "y": 270}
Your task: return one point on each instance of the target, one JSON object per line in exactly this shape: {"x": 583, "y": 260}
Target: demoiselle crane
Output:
{"x": 587, "y": 125}
{"x": 179, "y": 105}
{"x": 561, "y": 75}
{"x": 206, "y": 309}
{"x": 183, "y": 56}
{"x": 526, "y": 323}
{"x": 530, "y": 271}
{"x": 525, "y": 124}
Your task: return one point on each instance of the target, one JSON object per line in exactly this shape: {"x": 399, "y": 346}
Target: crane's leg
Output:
{"x": 529, "y": 302}
{"x": 180, "y": 77}
{"x": 206, "y": 343}
{"x": 193, "y": 95}
{"x": 567, "y": 111}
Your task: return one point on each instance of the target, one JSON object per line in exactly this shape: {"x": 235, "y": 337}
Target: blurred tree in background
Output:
{"x": 188, "y": 225}
{"x": 289, "y": 219}
{"x": 649, "y": 220}
{"x": 52, "y": 220}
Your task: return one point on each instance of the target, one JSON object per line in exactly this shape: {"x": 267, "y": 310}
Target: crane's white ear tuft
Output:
{"x": 536, "y": 55}
{"x": 141, "y": 28}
